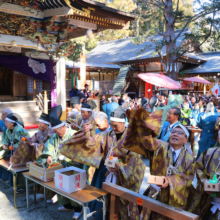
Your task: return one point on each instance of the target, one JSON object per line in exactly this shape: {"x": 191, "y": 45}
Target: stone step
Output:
{"x": 25, "y": 115}
{"x": 7, "y": 98}
{"x": 17, "y": 103}
{"x": 30, "y": 120}
{"x": 27, "y": 110}
{"x": 21, "y": 109}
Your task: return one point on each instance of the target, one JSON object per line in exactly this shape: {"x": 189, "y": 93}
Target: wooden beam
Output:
{"x": 114, "y": 207}
{"x": 99, "y": 76}
{"x": 152, "y": 204}
{"x": 145, "y": 69}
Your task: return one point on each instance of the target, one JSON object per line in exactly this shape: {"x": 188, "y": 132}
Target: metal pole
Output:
{"x": 104, "y": 207}
{"x": 84, "y": 212}
{"x": 45, "y": 197}
{"x": 35, "y": 189}
{"x": 15, "y": 188}
{"x": 27, "y": 193}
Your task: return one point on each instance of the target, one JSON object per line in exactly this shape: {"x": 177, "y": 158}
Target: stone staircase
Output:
{"x": 28, "y": 110}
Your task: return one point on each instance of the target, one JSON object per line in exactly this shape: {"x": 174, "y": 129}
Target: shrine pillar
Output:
{"x": 148, "y": 90}
{"x": 61, "y": 85}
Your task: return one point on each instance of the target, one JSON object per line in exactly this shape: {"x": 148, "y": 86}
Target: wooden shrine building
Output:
{"x": 36, "y": 36}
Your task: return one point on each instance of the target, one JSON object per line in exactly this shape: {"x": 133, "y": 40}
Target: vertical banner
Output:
{"x": 83, "y": 69}
{"x": 76, "y": 80}
{"x": 53, "y": 83}
{"x": 72, "y": 80}
{"x": 148, "y": 90}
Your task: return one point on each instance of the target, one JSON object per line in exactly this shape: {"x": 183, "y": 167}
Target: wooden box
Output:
{"x": 211, "y": 187}
{"x": 157, "y": 180}
{"x": 44, "y": 174}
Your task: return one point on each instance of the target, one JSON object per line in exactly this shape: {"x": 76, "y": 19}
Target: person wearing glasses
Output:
{"x": 172, "y": 161}
{"x": 62, "y": 132}
{"x": 173, "y": 118}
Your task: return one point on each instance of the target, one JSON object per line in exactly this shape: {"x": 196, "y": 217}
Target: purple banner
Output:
{"x": 53, "y": 83}
{"x": 38, "y": 68}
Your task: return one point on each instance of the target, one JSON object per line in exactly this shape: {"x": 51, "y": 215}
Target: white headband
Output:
{"x": 10, "y": 120}
{"x": 184, "y": 129}
{"x": 86, "y": 109}
{"x": 117, "y": 119}
{"x": 58, "y": 126}
{"x": 45, "y": 122}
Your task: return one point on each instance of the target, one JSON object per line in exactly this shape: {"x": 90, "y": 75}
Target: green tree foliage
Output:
{"x": 203, "y": 22}
{"x": 149, "y": 15}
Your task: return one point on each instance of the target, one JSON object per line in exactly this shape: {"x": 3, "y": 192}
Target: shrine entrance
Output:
{"x": 6, "y": 81}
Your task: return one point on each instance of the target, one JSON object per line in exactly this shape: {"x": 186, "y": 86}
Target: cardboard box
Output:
{"x": 157, "y": 180}
{"x": 44, "y": 174}
{"x": 212, "y": 187}
{"x": 70, "y": 179}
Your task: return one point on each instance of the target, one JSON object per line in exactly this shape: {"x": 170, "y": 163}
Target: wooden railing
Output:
{"x": 42, "y": 102}
{"x": 118, "y": 192}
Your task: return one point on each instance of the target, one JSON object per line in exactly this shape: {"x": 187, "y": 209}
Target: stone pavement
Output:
{"x": 38, "y": 212}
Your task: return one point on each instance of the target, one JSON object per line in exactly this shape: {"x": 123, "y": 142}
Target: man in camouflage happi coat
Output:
{"x": 87, "y": 117}
{"x": 51, "y": 153}
{"x": 129, "y": 170}
{"x": 171, "y": 160}
{"x": 205, "y": 203}
{"x": 32, "y": 148}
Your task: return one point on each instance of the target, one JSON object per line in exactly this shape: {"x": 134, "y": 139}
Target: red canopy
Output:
{"x": 159, "y": 80}
{"x": 197, "y": 79}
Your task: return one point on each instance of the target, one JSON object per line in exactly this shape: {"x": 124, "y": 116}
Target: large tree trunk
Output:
{"x": 172, "y": 69}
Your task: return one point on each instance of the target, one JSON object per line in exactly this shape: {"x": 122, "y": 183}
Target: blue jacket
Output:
{"x": 109, "y": 107}
{"x": 166, "y": 135}
{"x": 207, "y": 124}
{"x": 2, "y": 126}
{"x": 194, "y": 114}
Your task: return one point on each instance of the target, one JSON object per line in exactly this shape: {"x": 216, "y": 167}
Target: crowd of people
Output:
{"x": 128, "y": 129}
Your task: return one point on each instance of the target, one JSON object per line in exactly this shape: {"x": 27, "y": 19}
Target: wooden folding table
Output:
{"x": 82, "y": 197}
{"x": 14, "y": 170}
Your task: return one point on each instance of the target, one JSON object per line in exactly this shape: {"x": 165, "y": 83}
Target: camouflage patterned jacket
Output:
{"x": 141, "y": 138}
{"x": 207, "y": 165}
{"x": 51, "y": 147}
{"x": 79, "y": 122}
{"x": 130, "y": 172}
{"x": 32, "y": 148}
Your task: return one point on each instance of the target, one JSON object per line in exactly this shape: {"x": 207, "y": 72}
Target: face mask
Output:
{"x": 186, "y": 106}
{"x": 197, "y": 107}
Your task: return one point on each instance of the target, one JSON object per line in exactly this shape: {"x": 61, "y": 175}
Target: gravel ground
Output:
{"x": 37, "y": 211}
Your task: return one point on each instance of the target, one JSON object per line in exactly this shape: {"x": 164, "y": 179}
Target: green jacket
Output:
{"x": 51, "y": 148}
{"x": 13, "y": 138}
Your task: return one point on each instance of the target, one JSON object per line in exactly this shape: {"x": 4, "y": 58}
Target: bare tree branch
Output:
{"x": 177, "y": 8}
{"x": 158, "y": 2}
{"x": 160, "y": 33}
{"x": 195, "y": 17}
{"x": 206, "y": 37}
{"x": 155, "y": 4}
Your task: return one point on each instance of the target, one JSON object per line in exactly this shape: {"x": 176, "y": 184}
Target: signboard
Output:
{"x": 187, "y": 85}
